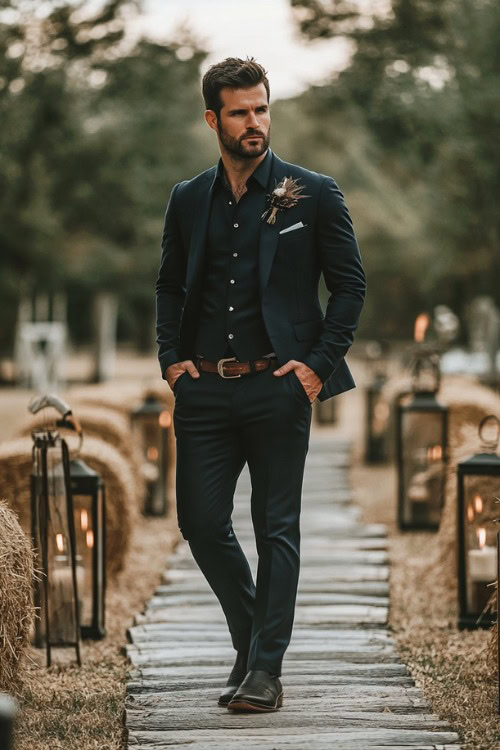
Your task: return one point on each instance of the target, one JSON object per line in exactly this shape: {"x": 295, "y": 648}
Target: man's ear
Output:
{"x": 211, "y": 119}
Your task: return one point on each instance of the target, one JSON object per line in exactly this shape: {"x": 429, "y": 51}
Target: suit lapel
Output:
{"x": 268, "y": 236}
{"x": 269, "y": 233}
{"x": 199, "y": 232}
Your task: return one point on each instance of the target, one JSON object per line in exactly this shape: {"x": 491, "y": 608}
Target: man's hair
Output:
{"x": 233, "y": 73}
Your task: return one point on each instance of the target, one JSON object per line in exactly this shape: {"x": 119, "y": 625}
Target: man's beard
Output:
{"x": 236, "y": 146}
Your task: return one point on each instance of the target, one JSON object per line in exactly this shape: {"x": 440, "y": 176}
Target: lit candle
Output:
{"x": 61, "y": 607}
{"x": 482, "y": 566}
{"x": 482, "y": 561}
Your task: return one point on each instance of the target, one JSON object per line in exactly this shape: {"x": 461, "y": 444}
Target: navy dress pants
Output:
{"x": 220, "y": 424}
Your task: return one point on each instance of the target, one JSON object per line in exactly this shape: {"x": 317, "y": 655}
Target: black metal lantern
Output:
{"x": 325, "y": 412}
{"x": 421, "y": 449}
{"x": 478, "y": 496}
{"x": 377, "y": 420}
{"x": 52, "y": 527}
{"x": 152, "y": 422}
{"x": 89, "y": 508}
{"x": 498, "y": 620}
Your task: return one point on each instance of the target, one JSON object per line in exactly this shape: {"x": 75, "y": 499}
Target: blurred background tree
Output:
{"x": 97, "y": 125}
{"x": 95, "y": 131}
{"x": 422, "y": 89}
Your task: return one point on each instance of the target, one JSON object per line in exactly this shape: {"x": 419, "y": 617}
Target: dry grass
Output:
{"x": 453, "y": 668}
{"x": 17, "y": 612}
{"x": 70, "y": 708}
{"x": 66, "y": 707}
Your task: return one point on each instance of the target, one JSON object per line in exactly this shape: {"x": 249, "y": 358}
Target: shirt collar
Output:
{"x": 260, "y": 175}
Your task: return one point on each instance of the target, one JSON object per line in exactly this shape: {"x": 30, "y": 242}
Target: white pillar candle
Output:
{"x": 482, "y": 564}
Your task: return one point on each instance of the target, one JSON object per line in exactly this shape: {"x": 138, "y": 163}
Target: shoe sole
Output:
{"x": 243, "y": 705}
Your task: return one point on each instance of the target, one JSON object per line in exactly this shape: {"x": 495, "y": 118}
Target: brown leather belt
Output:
{"x": 229, "y": 367}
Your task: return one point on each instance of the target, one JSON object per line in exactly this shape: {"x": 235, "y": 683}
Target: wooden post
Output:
{"x": 105, "y": 317}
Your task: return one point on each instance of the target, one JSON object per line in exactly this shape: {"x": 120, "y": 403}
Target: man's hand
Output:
{"x": 175, "y": 371}
{"x": 311, "y": 382}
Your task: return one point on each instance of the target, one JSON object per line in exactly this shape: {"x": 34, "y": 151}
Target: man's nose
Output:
{"x": 252, "y": 121}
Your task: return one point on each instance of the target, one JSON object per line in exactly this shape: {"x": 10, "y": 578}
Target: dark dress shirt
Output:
{"x": 230, "y": 319}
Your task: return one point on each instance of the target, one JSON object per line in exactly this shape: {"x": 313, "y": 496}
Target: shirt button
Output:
{"x": 231, "y": 307}
{"x": 236, "y": 226}
{"x": 230, "y": 203}
{"x": 232, "y": 281}
{"x": 235, "y": 255}
{"x": 231, "y": 336}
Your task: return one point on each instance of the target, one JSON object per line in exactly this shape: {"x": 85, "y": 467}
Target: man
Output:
{"x": 245, "y": 347}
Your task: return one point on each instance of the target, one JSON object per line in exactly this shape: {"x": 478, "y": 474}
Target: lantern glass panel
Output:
{"x": 87, "y": 510}
{"x": 480, "y": 510}
{"x": 422, "y": 466}
{"x": 151, "y": 423}
{"x": 53, "y": 518}
{"x": 89, "y": 520}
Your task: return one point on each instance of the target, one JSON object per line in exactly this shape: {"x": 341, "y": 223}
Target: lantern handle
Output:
{"x": 489, "y": 443}
{"x": 42, "y": 402}
{"x": 70, "y": 422}
{"x": 422, "y": 358}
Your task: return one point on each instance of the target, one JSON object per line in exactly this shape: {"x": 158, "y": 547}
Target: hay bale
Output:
{"x": 468, "y": 402}
{"x": 105, "y": 424}
{"x": 121, "y": 504}
{"x": 124, "y": 398}
{"x": 17, "y": 613}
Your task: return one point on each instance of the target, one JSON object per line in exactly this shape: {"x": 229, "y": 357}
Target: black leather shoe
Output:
{"x": 259, "y": 691}
{"x": 235, "y": 679}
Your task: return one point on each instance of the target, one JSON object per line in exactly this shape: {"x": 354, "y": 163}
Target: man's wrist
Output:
{"x": 169, "y": 358}
{"x": 320, "y": 365}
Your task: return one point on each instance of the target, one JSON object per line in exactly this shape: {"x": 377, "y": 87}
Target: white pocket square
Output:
{"x": 298, "y": 225}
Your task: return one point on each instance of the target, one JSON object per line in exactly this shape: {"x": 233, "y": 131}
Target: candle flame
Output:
{"x": 481, "y": 535}
{"x": 434, "y": 453}
{"x": 84, "y": 519}
{"x": 478, "y": 504}
{"x": 165, "y": 419}
{"x": 60, "y": 542}
{"x": 421, "y": 325}
{"x": 90, "y": 538}
{"x": 470, "y": 513}
{"x": 152, "y": 453}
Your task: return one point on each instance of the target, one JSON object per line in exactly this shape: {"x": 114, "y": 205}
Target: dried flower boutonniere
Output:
{"x": 284, "y": 195}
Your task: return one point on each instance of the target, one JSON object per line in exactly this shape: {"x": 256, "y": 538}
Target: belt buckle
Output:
{"x": 220, "y": 365}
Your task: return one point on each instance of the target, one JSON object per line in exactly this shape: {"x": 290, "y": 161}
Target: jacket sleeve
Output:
{"x": 170, "y": 289}
{"x": 345, "y": 279}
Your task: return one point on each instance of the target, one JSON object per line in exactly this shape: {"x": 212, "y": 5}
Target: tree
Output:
{"x": 424, "y": 79}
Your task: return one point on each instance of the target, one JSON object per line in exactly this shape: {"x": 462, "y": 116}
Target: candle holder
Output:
{"x": 53, "y": 532}
{"x": 89, "y": 509}
{"x": 498, "y": 620}
{"x": 151, "y": 422}
{"x": 377, "y": 420}
{"x": 421, "y": 448}
{"x": 325, "y": 412}
{"x": 478, "y": 490}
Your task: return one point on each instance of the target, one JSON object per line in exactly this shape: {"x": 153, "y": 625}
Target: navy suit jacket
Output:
{"x": 290, "y": 266}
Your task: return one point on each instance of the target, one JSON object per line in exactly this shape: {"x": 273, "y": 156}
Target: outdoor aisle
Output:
{"x": 344, "y": 684}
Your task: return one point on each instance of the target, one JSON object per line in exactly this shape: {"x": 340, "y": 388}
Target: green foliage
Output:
{"x": 91, "y": 128}
{"x": 424, "y": 82}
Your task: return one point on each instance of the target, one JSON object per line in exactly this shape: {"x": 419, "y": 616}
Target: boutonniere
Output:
{"x": 284, "y": 195}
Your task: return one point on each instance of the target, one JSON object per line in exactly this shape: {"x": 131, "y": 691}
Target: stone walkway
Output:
{"x": 344, "y": 684}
